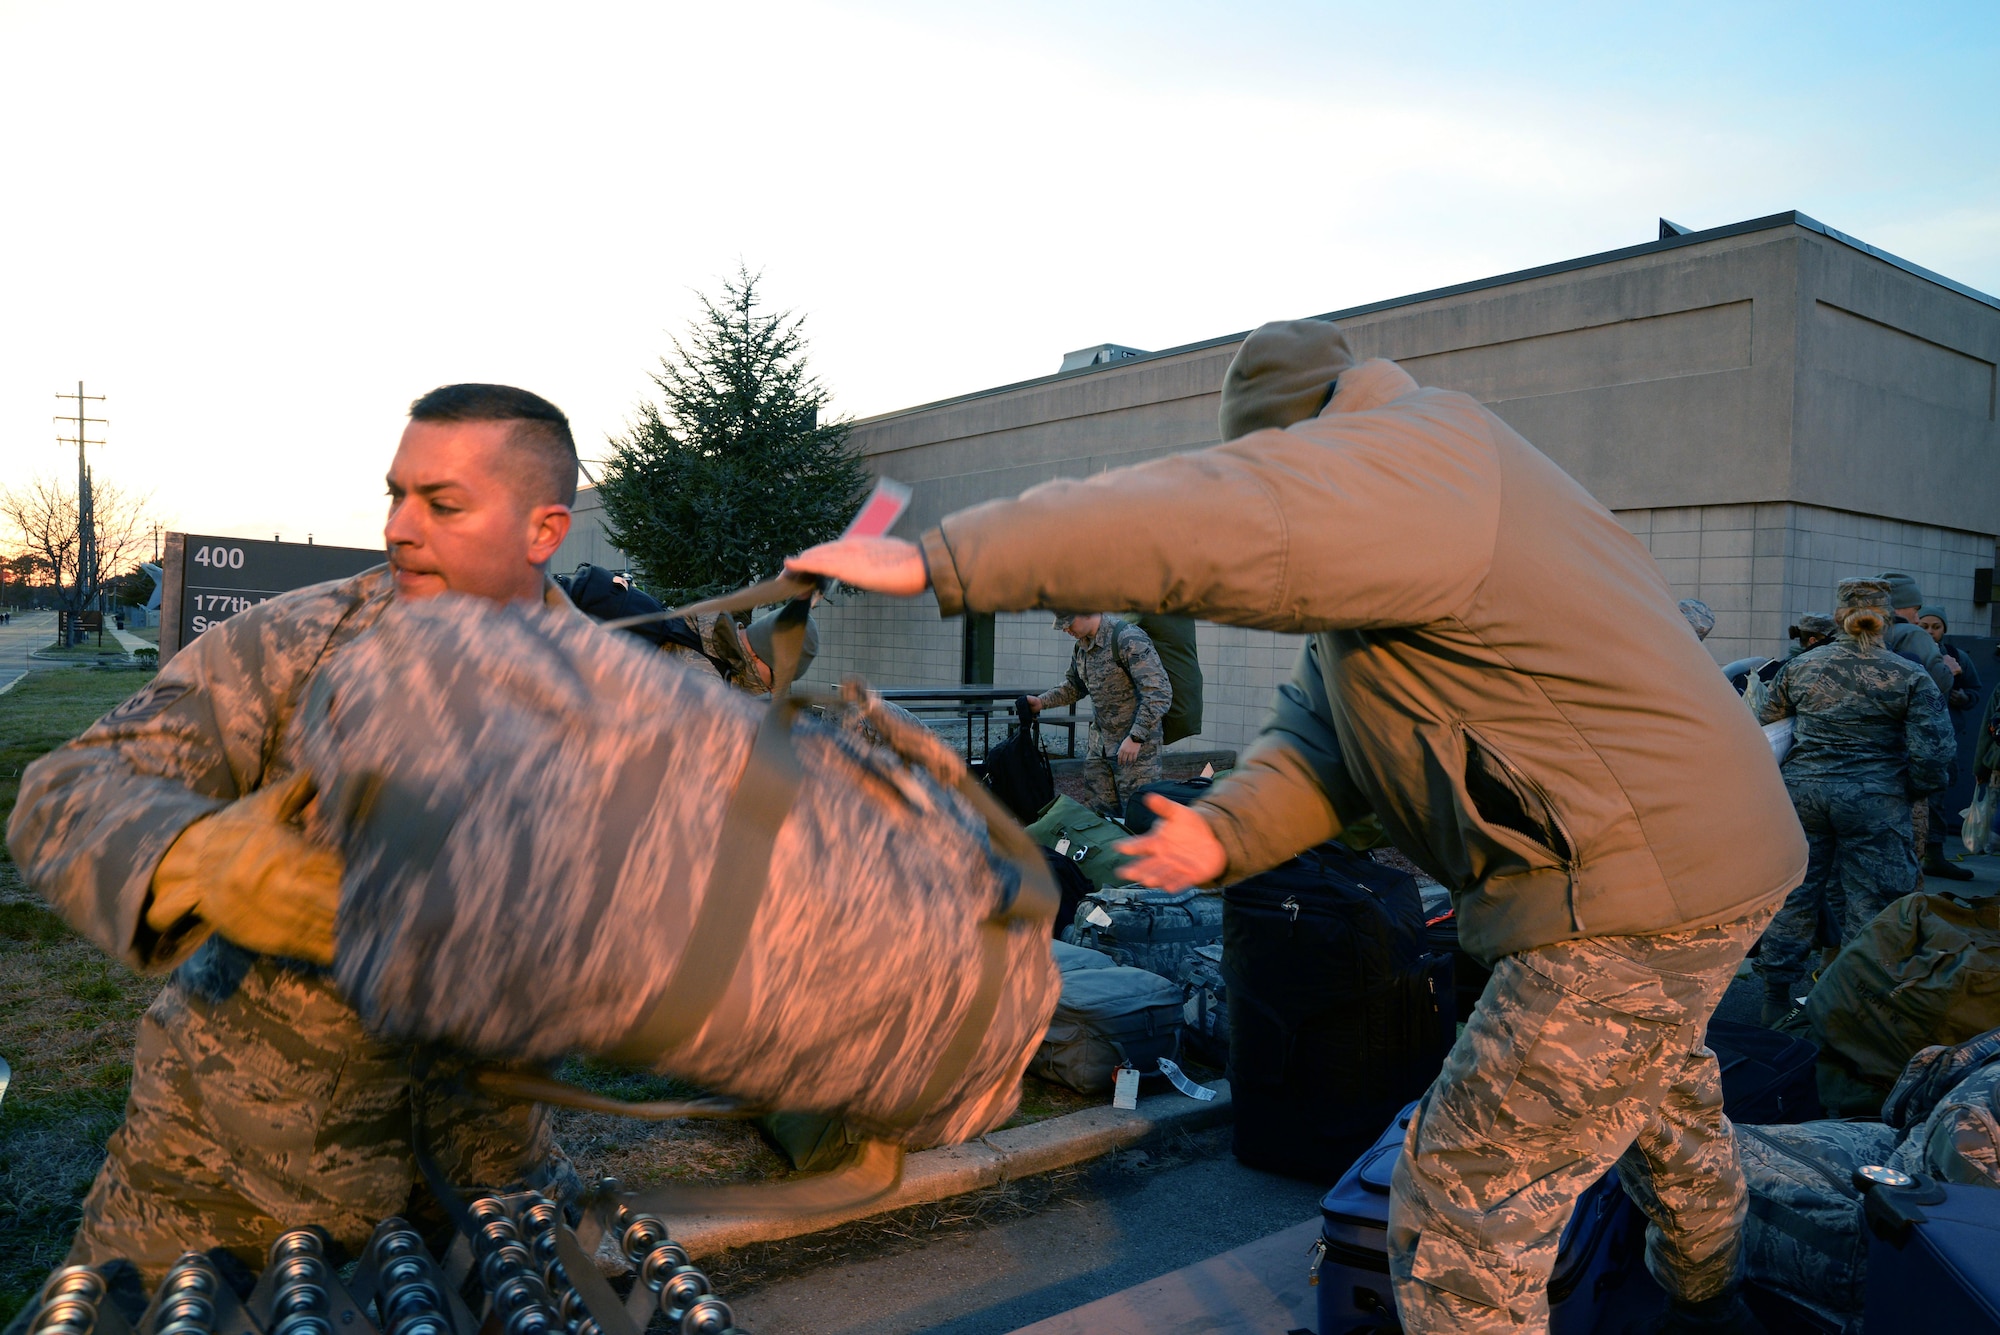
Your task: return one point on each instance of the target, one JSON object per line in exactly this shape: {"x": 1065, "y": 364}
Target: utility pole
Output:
{"x": 86, "y": 523}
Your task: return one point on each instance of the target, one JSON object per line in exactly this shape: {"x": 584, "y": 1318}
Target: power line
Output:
{"x": 86, "y": 519}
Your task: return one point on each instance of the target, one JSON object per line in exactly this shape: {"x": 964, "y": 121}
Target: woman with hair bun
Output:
{"x": 1870, "y": 735}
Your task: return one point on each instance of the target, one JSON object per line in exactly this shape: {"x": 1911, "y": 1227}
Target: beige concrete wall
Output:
{"x": 1896, "y": 394}
{"x": 1761, "y": 567}
{"x": 587, "y": 542}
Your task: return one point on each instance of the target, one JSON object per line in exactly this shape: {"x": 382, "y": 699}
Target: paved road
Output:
{"x": 28, "y": 630}
{"x": 1122, "y": 1222}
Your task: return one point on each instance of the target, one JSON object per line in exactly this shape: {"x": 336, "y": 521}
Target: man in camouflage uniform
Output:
{"x": 1814, "y": 629}
{"x": 1114, "y": 663}
{"x": 1869, "y": 736}
{"x": 164, "y": 833}
{"x": 1602, "y": 808}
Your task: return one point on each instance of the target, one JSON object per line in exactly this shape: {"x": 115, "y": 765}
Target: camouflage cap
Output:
{"x": 1816, "y": 623}
{"x": 1063, "y": 619}
{"x": 1854, "y": 593}
{"x": 1699, "y": 615}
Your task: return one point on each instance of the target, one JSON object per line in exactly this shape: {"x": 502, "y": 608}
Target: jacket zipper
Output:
{"x": 1569, "y": 864}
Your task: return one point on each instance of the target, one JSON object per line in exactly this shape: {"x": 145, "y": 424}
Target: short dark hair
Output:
{"x": 541, "y": 433}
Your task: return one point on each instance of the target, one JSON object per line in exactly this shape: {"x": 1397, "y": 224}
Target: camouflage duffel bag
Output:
{"x": 559, "y": 840}
{"x": 1805, "y": 1237}
{"x": 1948, "y": 1100}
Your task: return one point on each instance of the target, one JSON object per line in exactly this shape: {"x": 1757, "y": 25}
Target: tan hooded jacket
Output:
{"x": 1565, "y": 775}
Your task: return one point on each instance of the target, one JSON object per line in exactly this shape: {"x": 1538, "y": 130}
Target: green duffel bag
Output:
{"x": 813, "y": 1142}
{"x": 1173, "y": 641}
{"x": 1084, "y": 837}
{"x": 1925, "y": 971}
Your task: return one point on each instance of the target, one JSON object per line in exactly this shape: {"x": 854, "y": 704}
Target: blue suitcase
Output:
{"x": 1602, "y": 1245}
{"x": 1935, "y": 1267}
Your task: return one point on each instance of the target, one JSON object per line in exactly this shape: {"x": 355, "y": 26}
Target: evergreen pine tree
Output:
{"x": 732, "y": 470}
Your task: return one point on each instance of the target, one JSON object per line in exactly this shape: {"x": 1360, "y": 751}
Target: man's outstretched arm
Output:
{"x": 1327, "y": 525}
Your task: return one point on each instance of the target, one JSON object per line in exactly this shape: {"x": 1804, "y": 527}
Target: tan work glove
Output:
{"x": 250, "y": 874}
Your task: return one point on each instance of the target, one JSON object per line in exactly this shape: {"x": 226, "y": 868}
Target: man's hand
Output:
{"x": 1128, "y": 751}
{"x": 249, "y": 873}
{"x": 1034, "y": 705}
{"x": 879, "y": 565}
{"x": 1952, "y": 663}
{"x": 1179, "y": 851}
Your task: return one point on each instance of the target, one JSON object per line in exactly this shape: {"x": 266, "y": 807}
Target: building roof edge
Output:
{"x": 1770, "y": 222}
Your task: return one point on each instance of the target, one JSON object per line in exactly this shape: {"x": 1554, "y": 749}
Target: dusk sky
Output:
{"x": 262, "y": 229}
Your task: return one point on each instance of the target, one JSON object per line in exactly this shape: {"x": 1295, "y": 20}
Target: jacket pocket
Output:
{"x": 1505, "y": 798}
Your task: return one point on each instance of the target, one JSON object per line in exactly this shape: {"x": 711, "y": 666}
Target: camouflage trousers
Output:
{"x": 273, "y": 1109}
{"x": 1861, "y": 856}
{"x": 1580, "y": 1055}
{"x": 1109, "y": 784}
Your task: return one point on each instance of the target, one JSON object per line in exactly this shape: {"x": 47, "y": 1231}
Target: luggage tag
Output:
{"x": 1178, "y": 1079}
{"x": 1125, "y": 1088}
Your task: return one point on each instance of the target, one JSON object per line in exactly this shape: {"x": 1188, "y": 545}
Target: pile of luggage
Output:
{"x": 1318, "y": 986}
{"x": 1868, "y": 1131}
{"x": 1871, "y": 1156}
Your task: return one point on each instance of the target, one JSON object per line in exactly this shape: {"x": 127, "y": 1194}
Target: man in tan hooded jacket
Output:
{"x": 1614, "y": 839}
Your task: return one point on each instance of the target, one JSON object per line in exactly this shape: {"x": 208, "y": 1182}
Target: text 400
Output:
{"x": 220, "y": 558}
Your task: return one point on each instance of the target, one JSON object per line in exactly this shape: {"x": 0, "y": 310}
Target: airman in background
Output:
{"x": 1868, "y": 740}
{"x": 1115, "y": 665}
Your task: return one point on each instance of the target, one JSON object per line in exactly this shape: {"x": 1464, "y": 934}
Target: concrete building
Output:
{"x": 587, "y": 543}
{"x": 1769, "y": 406}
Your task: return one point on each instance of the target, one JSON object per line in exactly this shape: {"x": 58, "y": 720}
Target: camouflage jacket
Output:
{"x": 1120, "y": 671}
{"x": 1863, "y": 717}
{"x": 96, "y": 815}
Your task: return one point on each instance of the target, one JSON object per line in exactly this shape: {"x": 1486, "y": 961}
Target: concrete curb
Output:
{"x": 935, "y": 1175}
{"x": 40, "y": 657}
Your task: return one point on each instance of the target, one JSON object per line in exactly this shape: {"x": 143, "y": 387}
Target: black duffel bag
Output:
{"x": 1139, "y": 817}
{"x": 1339, "y": 1014}
{"x": 1016, "y": 770}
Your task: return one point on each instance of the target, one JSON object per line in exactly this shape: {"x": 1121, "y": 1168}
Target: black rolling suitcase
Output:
{"x": 1468, "y": 975}
{"x": 1934, "y": 1262}
{"x": 1768, "y": 1078}
{"x": 1338, "y": 1014}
